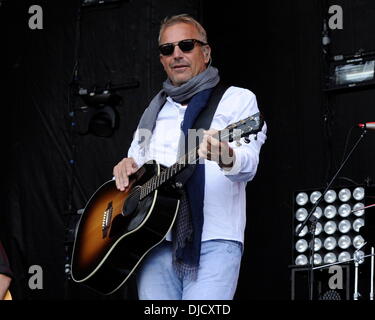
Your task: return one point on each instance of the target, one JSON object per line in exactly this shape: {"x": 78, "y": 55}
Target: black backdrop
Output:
{"x": 271, "y": 47}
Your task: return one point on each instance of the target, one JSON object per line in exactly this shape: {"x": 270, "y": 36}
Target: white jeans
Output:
{"x": 217, "y": 275}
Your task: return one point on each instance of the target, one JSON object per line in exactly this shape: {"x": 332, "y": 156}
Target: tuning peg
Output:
{"x": 178, "y": 185}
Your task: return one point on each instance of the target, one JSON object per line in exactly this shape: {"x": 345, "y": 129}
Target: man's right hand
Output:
{"x": 122, "y": 171}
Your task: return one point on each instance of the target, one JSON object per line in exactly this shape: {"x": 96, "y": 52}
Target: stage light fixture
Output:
{"x": 359, "y": 193}
{"x": 330, "y": 243}
{"x": 339, "y": 231}
{"x": 345, "y": 195}
{"x": 330, "y": 196}
{"x": 301, "y": 260}
{"x": 344, "y": 242}
{"x": 318, "y": 229}
{"x": 99, "y": 116}
{"x": 330, "y": 212}
{"x": 358, "y": 224}
{"x": 344, "y": 210}
{"x": 301, "y": 245}
{"x": 345, "y": 226}
{"x": 330, "y": 257}
{"x": 318, "y": 212}
{"x": 303, "y": 232}
{"x": 358, "y": 242}
{"x": 357, "y": 210}
{"x": 317, "y": 259}
{"x": 315, "y": 196}
{"x": 344, "y": 256}
{"x": 351, "y": 71}
{"x": 301, "y": 214}
{"x": 330, "y": 227}
{"x": 317, "y": 244}
{"x": 302, "y": 198}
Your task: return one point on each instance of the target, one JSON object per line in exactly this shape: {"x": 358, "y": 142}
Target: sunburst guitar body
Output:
{"x": 118, "y": 228}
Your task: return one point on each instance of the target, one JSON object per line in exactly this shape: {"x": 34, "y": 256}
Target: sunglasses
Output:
{"x": 185, "y": 45}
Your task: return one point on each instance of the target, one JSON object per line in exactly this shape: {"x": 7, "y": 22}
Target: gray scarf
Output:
{"x": 205, "y": 80}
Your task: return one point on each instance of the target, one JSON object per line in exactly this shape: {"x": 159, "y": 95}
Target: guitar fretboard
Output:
{"x": 168, "y": 173}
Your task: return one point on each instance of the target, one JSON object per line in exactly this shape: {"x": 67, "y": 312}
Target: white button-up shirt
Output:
{"x": 225, "y": 194}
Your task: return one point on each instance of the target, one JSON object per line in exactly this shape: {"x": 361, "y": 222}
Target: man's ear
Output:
{"x": 207, "y": 53}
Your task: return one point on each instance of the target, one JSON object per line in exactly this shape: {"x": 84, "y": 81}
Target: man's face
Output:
{"x": 182, "y": 66}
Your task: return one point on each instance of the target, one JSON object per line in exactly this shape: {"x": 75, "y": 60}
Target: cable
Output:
{"x": 347, "y": 142}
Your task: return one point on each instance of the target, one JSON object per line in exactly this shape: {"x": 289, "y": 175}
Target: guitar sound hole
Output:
{"x": 131, "y": 203}
{"x": 121, "y": 222}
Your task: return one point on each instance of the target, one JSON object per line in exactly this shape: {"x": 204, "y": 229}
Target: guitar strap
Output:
{"x": 204, "y": 121}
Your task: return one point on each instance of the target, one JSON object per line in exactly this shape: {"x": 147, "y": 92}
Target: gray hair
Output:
{"x": 183, "y": 18}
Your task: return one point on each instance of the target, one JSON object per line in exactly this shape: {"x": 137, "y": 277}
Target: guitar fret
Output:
{"x": 158, "y": 182}
{"x": 161, "y": 177}
{"x": 168, "y": 173}
{"x": 154, "y": 184}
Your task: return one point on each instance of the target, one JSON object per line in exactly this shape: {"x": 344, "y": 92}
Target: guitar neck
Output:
{"x": 168, "y": 173}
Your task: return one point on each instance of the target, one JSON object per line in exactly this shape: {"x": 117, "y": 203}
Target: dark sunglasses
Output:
{"x": 185, "y": 45}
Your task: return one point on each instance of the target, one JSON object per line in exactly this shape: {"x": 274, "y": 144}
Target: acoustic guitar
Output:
{"x": 118, "y": 228}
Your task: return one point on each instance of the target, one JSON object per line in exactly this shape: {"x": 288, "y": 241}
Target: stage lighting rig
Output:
{"x": 339, "y": 231}
{"x": 344, "y": 236}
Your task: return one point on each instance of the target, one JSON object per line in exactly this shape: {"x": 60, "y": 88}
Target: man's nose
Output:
{"x": 177, "y": 52}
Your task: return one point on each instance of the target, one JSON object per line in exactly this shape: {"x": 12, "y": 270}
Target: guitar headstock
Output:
{"x": 243, "y": 128}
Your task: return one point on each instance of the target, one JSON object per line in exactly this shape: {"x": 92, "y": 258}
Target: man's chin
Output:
{"x": 180, "y": 81}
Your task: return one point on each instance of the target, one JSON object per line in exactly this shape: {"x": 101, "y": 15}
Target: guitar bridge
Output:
{"x": 107, "y": 218}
